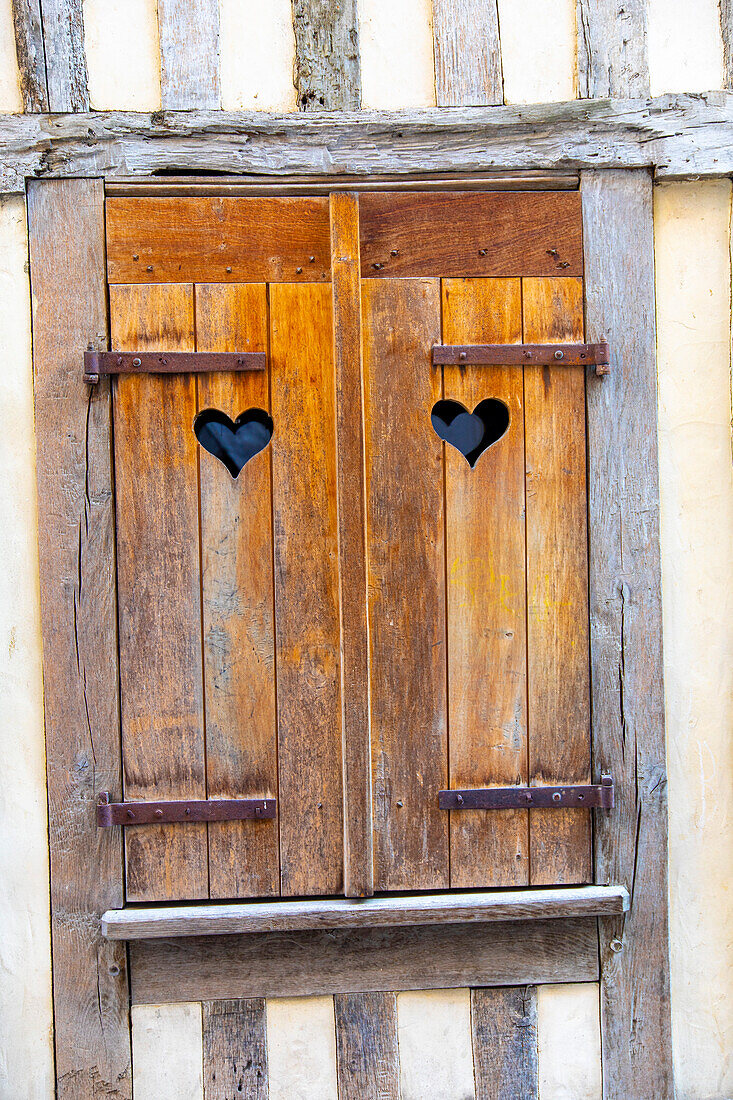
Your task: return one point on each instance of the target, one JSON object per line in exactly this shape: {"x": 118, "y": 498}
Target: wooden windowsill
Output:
{"x": 329, "y": 913}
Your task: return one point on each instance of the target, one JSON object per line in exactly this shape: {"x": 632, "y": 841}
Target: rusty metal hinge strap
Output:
{"x": 517, "y": 355}
{"x": 592, "y": 796}
{"x": 191, "y": 809}
{"x": 97, "y": 363}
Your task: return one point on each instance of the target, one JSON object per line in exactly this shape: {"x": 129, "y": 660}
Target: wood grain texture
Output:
{"x": 467, "y": 53}
{"x": 725, "y": 7}
{"x": 613, "y": 54}
{"x": 367, "y": 1057}
{"x": 415, "y": 909}
{"x": 327, "y": 62}
{"x": 558, "y": 671}
{"x": 405, "y": 536}
{"x": 626, "y": 634}
{"x": 237, "y": 595}
{"x": 504, "y": 1025}
{"x": 189, "y": 54}
{"x": 355, "y": 732}
{"x": 218, "y": 240}
{"x": 158, "y": 584}
{"x": 306, "y": 590}
{"x": 78, "y": 614}
{"x": 485, "y": 593}
{"x": 66, "y": 64}
{"x": 470, "y": 233}
{"x": 235, "y": 1050}
{"x": 31, "y": 54}
{"x": 681, "y": 136}
{"x": 295, "y": 964}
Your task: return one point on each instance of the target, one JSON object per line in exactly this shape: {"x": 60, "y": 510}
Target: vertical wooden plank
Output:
{"x": 504, "y": 1026}
{"x": 66, "y": 66}
{"x": 434, "y": 1031}
{"x": 306, "y": 589}
{"x": 485, "y": 593}
{"x": 78, "y": 612}
{"x": 189, "y": 54}
{"x": 557, "y": 582}
{"x": 167, "y": 1051}
{"x": 613, "y": 55}
{"x": 301, "y": 1048}
{"x": 31, "y": 54}
{"x": 158, "y": 583}
{"x": 726, "y": 31}
{"x": 406, "y": 583}
{"x": 235, "y": 1050}
{"x": 239, "y": 640}
{"x": 367, "y": 1058}
{"x": 467, "y": 53}
{"x": 327, "y": 63}
{"x": 626, "y": 633}
{"x": 345, "y": 267}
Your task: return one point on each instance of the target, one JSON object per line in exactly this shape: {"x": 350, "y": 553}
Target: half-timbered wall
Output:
{"x": 132, "y": 55}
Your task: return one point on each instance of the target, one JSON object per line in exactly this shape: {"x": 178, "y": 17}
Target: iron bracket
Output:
{"x": 594, "y": 796}
{"x": 97, "y": 363}
{"x": 191, "y": 809}
{"x": 516, "y": 355}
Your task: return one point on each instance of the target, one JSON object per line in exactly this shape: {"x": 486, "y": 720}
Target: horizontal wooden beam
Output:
{"x": 677, "y": 135}
{"x": 290, "y": 916}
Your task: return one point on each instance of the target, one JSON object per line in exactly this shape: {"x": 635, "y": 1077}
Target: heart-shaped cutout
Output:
{"x": 470, "y": 433}
{"x": 233, "y": 442}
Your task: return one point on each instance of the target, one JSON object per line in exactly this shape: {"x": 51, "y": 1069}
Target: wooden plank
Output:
{"x": 167, "y": 1051}
{"x": 504, "y": 1024}
{"x": 355, "y": 734}
{"x": 367, "y": 1058}
{"x": 470, "y": 233}
{"x": 453, "y": 908}
{"x": 613, "y": 52}
{"x": 467, "y": 53}
{"x": 725, "y": 8}
{"x": 681, "y": 136}
{"x": 558, "y": 670}
{"x": 294, "y": 964}
{"x": 218, "y": 240}
{"x": 79, "y": 615}
{"x": 237, "y": 595}
{"x": 626, "y": 634}
{"x": 306, "y": 590}
{"x": 485, "y": 593}
{"x": 235, "y": 1050}
{"x": 158, "y": 584}
{"x": 66, "y": 64}
{"x": 189, "y": 54}
{"x": 327, "y": 62}
{"x": 406, "y": 610}
{"x": 31, "y": 54}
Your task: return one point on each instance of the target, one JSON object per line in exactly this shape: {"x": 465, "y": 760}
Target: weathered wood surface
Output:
{"x": 66, "y": 62}
{"x": 294, "y": 964}
{"x": 220, "y": 240}
{"x": 505, "y": 1054}
{"x": 467, "y": 53}
{"x": 189, "y": 53}
{"x": 626, "y": 634}
{"x": 79, "y": 619}
{"x": 235, "y": 1050}
{"x": 612, "y": 48}
{"x": 31, "y": 54}
{"x": 679, "y": 135}
{"x": 367, "y": 1055}
{"x": 327, "y": 63}
{"x": 284, "y": 916}
{"x": 725, "y": 8}
{"x": 356, "y": 743}
{"x": 470, "y": 233}
{"x": 485, "y": 593}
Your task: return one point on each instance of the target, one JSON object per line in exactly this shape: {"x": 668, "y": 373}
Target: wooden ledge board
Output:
{"x": 345, "y": 913}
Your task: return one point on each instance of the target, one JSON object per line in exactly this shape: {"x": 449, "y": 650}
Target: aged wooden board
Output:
{"x": 79, "y": 614}
{"x": 626, "y": 634}
{"x": 726, "y": 30}
{"x": 679, "y": 135}
{"x": 470, "y": 233}
{"x": 505, "y": 1054}
{"x": 66, "y": 62}
{"x": 31, "y": 54}
{"x": 613, "y": 52}
{"x": 367, "y": 1055}
{"x": 297, "y": 964}
{"x": 235, "y": 1050}
{"x": 467, "y": 53}
{"x": 327, "y": 63}
{"x": 220, "y": 240}
{"x": 189, "y": 53}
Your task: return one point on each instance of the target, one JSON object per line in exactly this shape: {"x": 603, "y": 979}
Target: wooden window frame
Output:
{"x": 629, "y": 954}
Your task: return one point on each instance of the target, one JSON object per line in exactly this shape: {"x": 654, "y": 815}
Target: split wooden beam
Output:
{"x": 679, "y": 136}
{"x": 327, "y": 62}
{"x": 613, "y": 50}
{"x": 66, "y": 60}
{"x": 31, "y": 54}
